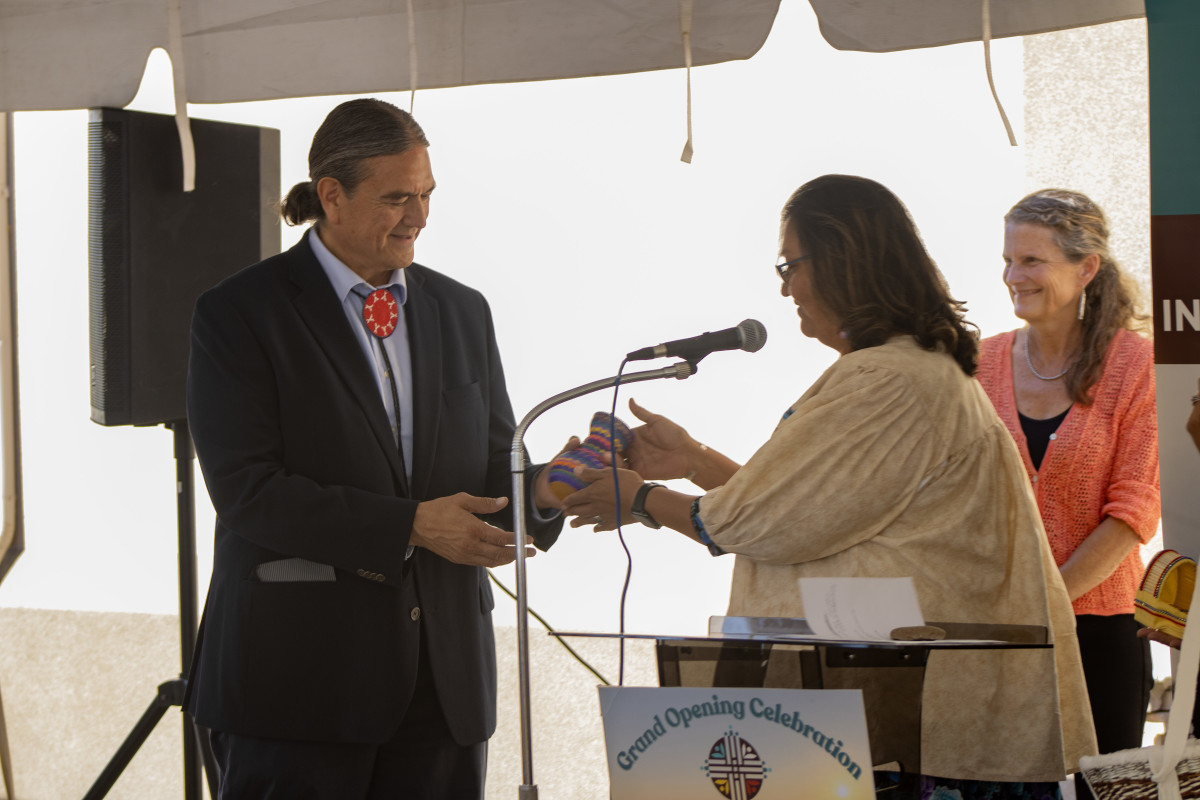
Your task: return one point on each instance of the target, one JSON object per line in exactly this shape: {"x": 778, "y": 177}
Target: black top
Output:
{"x": 1038, "y": 433}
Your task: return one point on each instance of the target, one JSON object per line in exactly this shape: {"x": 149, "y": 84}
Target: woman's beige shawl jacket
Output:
{"x": 893, "y": 464}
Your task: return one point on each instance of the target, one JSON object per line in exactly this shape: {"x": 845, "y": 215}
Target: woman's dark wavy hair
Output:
{"x": 872, "y": 271}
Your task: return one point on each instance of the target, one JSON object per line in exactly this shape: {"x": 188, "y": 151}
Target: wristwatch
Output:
{"x": 639, "y": 511}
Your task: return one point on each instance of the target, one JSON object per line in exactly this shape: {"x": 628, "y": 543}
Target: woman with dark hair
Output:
{"x": 1075, "y": 387}
{"x": 893, "y": 464}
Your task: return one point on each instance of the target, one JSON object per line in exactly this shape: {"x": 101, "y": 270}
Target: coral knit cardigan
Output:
{"x": 1102, "y": 461}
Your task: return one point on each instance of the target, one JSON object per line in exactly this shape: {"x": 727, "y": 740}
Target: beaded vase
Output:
{"x": 563, "y": 480}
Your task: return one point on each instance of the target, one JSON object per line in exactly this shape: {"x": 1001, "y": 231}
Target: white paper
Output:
{"x": 859, "y": 609}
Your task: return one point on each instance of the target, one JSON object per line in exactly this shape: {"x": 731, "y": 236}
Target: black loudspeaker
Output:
{"x": 153, "y": 248}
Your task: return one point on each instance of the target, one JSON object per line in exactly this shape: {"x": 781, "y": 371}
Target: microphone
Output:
{"x": 750, "y": 336}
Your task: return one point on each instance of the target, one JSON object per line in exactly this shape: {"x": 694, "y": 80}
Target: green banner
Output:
{"x": 1174, "y": 46}
{"x": 1173, "y": 28}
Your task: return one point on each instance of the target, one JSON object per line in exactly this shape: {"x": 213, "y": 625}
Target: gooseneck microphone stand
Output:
{"x": 679, "y": 371}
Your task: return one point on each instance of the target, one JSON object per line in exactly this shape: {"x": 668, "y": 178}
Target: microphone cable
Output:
{"x": 548, "y": 627}
{"x": 612, "y": 449}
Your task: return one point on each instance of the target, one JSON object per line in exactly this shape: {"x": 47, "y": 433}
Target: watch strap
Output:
{"x": 639, "y": 506}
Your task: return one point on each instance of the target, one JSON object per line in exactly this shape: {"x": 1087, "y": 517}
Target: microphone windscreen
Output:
{"x": 754, "y": 335}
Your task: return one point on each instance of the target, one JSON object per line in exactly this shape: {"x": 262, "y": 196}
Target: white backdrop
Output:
{"x": 566, "y": 204}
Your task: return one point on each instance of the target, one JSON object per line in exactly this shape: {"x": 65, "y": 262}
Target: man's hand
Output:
{"x": 1161, "y": 637}
{"x": 448, "y": 526}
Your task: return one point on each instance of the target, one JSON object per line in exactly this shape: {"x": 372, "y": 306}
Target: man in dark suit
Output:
{"x": 350, "y": 416}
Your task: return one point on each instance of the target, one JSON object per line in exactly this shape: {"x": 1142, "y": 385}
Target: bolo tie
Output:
{"x": 381, "y": 313}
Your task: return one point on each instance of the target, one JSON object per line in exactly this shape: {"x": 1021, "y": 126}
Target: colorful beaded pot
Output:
{"x": 604, "y": 426}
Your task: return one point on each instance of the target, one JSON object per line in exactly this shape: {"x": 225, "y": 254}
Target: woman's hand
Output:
{"x": 660, "y": 448}
{"x": 1095, "y": 558}
{"x": 662, "y": 451}
{"x": 595, "y": 504}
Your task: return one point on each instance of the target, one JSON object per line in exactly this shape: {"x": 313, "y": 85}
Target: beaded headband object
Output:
{"x": 1165, "y": 595}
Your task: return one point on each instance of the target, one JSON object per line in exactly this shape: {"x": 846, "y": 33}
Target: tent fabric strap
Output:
{"x": 1180, "y": 718}
{"x": 987, "y": 62}
{"x": 685, "y": 30}
{"x": 412, "y": 57}
{"x": 179, "y": 73}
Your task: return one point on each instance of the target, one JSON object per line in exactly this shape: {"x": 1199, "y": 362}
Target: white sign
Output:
{"x": 696, "y": 743}
{"x": 860, "y": 609}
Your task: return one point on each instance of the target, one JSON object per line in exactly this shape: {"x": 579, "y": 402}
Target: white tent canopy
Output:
{"x": 60, "y": 54}
{"x": 880, "y": 26}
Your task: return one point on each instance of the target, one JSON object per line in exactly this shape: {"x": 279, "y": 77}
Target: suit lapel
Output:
{"x": 425, "y": 345}
{"x": 321, "y": 310}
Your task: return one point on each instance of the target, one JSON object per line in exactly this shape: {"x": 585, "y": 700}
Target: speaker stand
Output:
{"x": 196, "y": 752}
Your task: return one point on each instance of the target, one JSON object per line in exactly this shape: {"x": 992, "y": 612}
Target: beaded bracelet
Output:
{"x": 698, "y": 526}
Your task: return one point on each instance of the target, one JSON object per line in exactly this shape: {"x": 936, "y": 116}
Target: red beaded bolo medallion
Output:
{"x": 380, "y": 314}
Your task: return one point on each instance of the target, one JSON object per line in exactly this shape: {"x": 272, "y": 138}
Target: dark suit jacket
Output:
{"x": 299, "y": 460}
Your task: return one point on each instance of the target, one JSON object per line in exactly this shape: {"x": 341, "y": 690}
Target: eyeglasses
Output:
{"x": 784, "y": 268}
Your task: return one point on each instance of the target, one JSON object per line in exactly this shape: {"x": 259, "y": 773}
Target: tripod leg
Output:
{"x": 171, "y": 692}
{"x": 136, "y": 738}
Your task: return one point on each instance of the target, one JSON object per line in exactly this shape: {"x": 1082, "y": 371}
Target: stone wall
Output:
{"x": 74, "y": 684}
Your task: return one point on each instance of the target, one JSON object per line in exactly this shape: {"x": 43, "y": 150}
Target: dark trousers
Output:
{"x": 1116, "y": 665}
{"x": 421, "y": 761}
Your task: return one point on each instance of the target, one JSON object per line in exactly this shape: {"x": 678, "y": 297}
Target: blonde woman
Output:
{"x": 1075, "y": 387}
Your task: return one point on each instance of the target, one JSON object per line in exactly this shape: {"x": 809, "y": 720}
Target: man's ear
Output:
{"x": 331, "y": 195}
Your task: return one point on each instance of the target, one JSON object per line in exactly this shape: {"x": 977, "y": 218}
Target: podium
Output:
{"x": 782, "y": 652}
